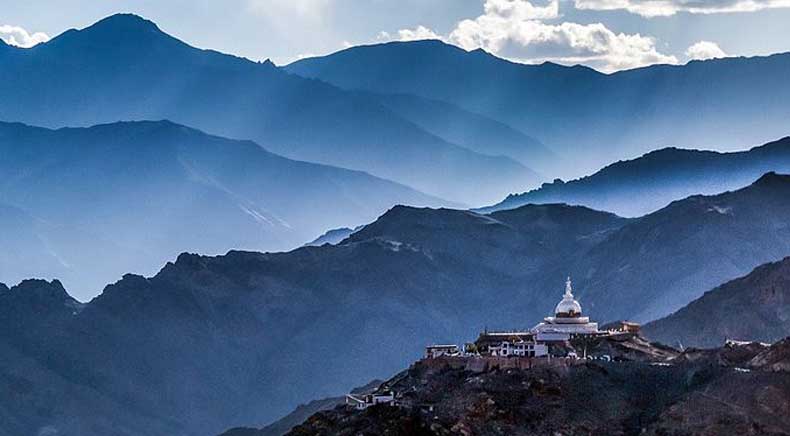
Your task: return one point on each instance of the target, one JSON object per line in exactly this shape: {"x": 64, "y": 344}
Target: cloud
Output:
{"x": 663, "y": 8}
{"x": 521, "y": 10}
{"x": 703, "y": 50}
{"x": 15, "y": 35}
{"x": 533, "y": 41}
{"x": 518, "y": 30}
{"x": 416, "y": 34}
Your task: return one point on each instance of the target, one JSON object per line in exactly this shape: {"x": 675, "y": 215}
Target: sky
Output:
{"x": 608, "y": 35}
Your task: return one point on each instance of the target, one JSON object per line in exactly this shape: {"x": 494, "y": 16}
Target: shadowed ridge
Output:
{"x": 752, "y": 307}
{"x": 125, "y": 22}
{"x": 411, "y": 223}
{"x": 116, "y": 28}
{"x": 40, "y": 297}
{"x": 120, "y": 31}
{"x": 639, "y": 186}
{"x": 414, "y": 51}
{"x": 772, "y": 179}
{"x": 42, "y": 290}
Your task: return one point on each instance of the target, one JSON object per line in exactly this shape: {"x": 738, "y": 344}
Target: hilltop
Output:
{"x": 746, "y": 395}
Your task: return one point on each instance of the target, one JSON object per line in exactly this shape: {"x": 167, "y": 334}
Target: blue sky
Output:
{"x": 606, "y": 34}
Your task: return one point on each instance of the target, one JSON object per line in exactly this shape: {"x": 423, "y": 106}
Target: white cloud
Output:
{"x": 15, "y": 35}
{"x": 662, "y": 8}
{"x": 417, "y": 34}
{"x": 568, "y": 43}
{"x": 703, "y": 50}
{"x": 517, "y": 30}
{"x": 521, "y": 10}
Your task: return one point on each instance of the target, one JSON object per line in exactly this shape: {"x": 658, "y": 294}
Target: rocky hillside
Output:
{"x": 682, "y": 397}
{"x": 754, "y": 307}
{"x": 202, "y": 339}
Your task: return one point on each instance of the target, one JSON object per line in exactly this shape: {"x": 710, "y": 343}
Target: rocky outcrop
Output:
{"x": 678, "y": 397}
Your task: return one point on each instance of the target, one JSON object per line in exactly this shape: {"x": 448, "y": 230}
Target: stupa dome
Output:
{"x": 568, "y": 306}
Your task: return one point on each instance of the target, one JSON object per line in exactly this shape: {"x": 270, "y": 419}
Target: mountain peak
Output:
{"x": 772, "y": 179}
{"x": 113, "y": 32}
{"x": 125, "y": 22}
{"x": 41, "y": 291}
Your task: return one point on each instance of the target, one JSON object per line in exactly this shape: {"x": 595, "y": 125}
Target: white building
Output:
{"x": 567, "y": 321}
{"x": 520, "y": 349}
{"x": 434, "y": 351}
{"x": 365, "y": 401}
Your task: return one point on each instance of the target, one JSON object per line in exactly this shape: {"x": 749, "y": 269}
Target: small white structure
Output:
{"x": 365, "y": 401}
{"x": 567, "y": 321}
{"x": 434, "y": 351}
{"x": 520, "y": 349}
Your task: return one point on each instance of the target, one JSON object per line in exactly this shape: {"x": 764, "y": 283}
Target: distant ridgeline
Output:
{"x": 86, "y": 205}
{"x": 643, "y": 185}
{"x": 589, "y": 118}
{"x": 125, "y": 68}
{"x": 211, "y": 343}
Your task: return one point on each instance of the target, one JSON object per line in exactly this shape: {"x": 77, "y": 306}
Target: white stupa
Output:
{"x": 567, "y": 320}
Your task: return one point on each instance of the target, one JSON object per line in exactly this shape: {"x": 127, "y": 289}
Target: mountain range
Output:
{"x": 755, "y": 307}
{"x": 643, "y": 185}
{"x": 125, "y": 68}
{"x": 589, "y": 118}
{"x": 92, "y": 203}
{"x": 123, "y": 149}
{"x": 211, "y": 343}
{"x": 666, "y": 259}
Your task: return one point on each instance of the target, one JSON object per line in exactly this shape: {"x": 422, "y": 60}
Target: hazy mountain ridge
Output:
{"x": 333, "y": 237}
{"x": 670, "y": 257}
{"x": 211, "y": 335}
{"x": 125, "y": 68}
{"x": 589, "y": 117}
{"x": 470, "y": 130}
{"x": 650, "y": 182}
{"x": 753, "y": 307}
{"x": 128, "y": 196}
